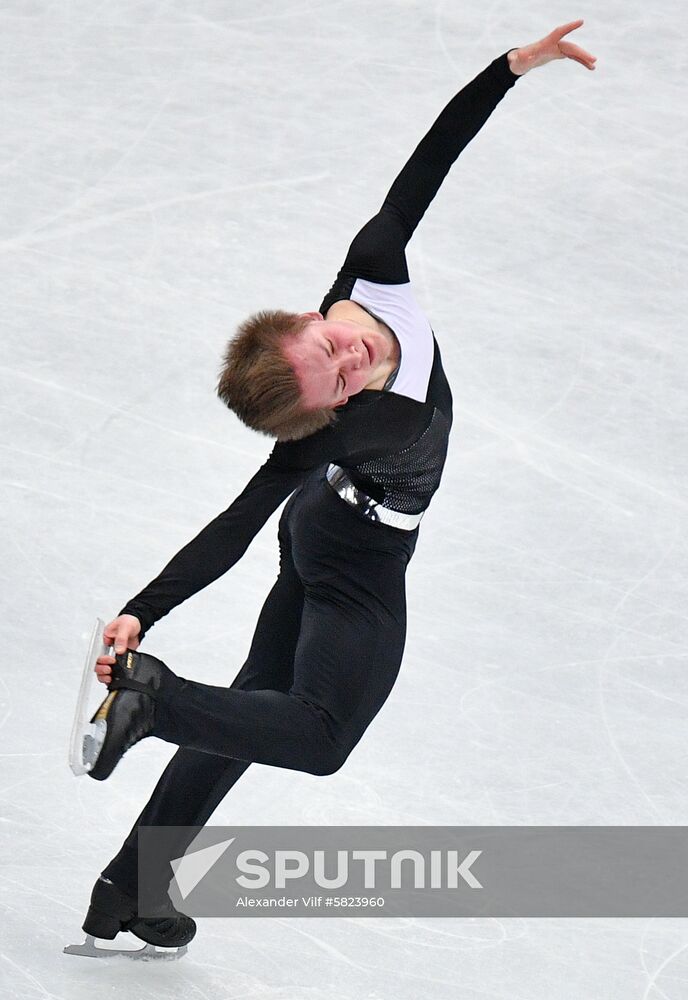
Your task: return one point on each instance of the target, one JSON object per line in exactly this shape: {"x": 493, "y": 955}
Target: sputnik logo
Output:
{"x": 191, "y": 868}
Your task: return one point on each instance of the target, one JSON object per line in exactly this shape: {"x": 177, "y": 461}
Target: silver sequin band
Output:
{"x": 371, "y": 509}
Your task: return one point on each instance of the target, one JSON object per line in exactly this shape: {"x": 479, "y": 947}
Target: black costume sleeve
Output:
{"x": 216, "y": 548}
{"x": 377, "y": 252}
{"x": 371, "y": 424}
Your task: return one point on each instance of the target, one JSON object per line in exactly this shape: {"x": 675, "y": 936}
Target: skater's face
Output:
{"x": 335, "y": 359}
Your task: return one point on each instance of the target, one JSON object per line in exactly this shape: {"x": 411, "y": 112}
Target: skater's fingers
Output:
{"x": 110, "y": 631}
{"x": 578, "y": 54}
{"x": 121, "y": 639}
{"x": 106, "y": 659}
{"x": 121, "y": 631}
{"x": 566, "y": 29}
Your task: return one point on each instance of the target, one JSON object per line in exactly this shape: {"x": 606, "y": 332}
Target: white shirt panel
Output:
{"x": 396, "y": 306}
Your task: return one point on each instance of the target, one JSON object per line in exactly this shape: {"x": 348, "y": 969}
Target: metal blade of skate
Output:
{"x": 86, "y": 737}
{"x": 149, "y": 952}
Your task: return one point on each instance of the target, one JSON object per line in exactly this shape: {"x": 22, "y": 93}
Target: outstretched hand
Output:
{"x": 548, "y": 48}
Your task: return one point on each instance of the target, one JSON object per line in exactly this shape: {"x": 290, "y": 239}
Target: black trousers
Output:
{"x": 324, "y": 657}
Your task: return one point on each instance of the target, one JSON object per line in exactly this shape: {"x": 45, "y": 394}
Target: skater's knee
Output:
{"x": 327, "y": 760}
{"x": 323, "y": 749}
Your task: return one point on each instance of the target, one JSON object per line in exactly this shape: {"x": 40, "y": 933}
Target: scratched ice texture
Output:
{"x": 169, "y": 166}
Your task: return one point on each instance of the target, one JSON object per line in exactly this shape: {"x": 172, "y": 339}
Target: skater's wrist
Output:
{"x": 513, "y": 63}
{"x": 139, "y": 618}
{"x": 518, "y": 62}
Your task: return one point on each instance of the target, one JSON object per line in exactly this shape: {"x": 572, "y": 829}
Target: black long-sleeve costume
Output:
{"x": 330, "y": 637}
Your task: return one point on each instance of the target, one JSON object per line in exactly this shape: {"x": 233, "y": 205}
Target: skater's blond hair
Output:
{"x": 257, "y": 382}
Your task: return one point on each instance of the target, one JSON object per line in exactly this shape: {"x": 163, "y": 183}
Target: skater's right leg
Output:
{"x": 194, "y": 783}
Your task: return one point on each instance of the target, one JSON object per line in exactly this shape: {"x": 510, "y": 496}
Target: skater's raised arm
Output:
{"x": 377, "y": 251}
{"x": 462, "y": 119}
{"x": 419, "y": 181}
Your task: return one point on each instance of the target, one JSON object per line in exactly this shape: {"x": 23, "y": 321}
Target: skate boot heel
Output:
{"x": 101, "y": 925}
{"x": 108, "y": 911}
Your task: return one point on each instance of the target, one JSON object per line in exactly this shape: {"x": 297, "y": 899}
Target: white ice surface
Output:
{"x": 169, "y": 166}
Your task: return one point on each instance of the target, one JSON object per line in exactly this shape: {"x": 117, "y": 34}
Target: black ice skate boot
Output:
{"x": 127, "y": 714}
{"x": 112, "y": 910}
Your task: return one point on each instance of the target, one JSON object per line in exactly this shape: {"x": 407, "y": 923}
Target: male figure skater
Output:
{"x": 359, "y": 403}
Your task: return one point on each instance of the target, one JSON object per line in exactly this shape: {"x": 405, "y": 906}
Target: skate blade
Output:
{"x": 149, "y": 952}
{"x": 92, "y": 743}
{"x": 86, "y": 737}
